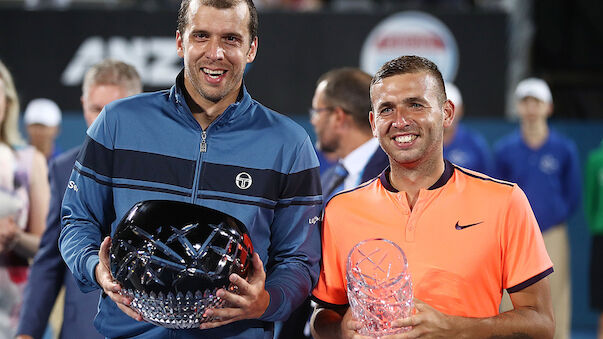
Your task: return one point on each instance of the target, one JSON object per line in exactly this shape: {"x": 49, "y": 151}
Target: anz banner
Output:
{"x": 48, "y": 52}
{"x": 153, "y": 57}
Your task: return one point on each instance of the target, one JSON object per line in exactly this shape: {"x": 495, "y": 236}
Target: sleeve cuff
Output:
{"x": 530, "y": 281}
{"x": 91, "y": 263}
{"x": 276, "y": 300}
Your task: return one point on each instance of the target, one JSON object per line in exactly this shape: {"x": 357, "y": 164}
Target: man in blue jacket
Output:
{"x": 206, "y": 142}
{"x": 104, "y": 82}
{"x": 546, "y": 165}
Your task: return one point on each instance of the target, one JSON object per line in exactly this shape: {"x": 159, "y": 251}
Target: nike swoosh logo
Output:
{"x": 462, "y": 227}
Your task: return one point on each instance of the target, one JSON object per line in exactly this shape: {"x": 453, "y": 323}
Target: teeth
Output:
{"x": 405, "y": 138}
{"x": 213, "y": 73}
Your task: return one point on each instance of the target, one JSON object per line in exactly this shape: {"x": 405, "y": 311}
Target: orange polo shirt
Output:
{"x": 467, "y": 237}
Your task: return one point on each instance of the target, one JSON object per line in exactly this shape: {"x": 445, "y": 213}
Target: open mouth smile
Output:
{"x": 214, "y": 74}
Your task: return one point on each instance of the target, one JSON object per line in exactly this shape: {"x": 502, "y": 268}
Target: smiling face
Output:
{"x": 216, "y": 47}
{"x": 408, "y": 117}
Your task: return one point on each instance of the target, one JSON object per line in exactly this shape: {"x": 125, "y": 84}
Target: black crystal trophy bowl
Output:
{"x": 171, "y": 257}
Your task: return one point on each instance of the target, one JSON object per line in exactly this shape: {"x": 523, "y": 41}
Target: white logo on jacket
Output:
{"x": 243, "y": 180}
{"x": 549, "y": 164}
{"x": 72, "y": 186}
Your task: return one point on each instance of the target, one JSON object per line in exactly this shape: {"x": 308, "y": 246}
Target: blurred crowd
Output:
{"x": 271, "y": 5}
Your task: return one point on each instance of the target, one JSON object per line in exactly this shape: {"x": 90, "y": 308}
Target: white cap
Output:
{"x": 533, "y": 87}
{"x": 453, "y": 94}
{"x": 42, "y": 111}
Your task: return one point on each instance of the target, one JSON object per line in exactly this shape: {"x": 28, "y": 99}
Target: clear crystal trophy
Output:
{"x": 378, "y": 286}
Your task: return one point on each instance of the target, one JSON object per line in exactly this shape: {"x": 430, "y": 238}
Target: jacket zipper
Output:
{"x": 202, "y": 149}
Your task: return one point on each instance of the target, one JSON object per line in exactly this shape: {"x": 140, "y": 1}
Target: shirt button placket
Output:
{"x": 408, "y": 224}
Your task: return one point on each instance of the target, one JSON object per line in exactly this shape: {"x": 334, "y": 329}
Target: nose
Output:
{"x": 214, "y": 50}
{"x": 313, "y": 119}
{"x": 400, "y": 121}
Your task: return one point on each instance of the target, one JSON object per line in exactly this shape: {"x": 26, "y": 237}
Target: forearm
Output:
{"x": 518, "y": 323}
{"x": 79, "y": 248}
{"x": 326, "y": 323}
{"x": 288, "y": 286}
{"x": 294, "y": 260}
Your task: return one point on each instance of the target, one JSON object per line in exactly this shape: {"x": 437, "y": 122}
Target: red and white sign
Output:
{"x": 411, "y": 33}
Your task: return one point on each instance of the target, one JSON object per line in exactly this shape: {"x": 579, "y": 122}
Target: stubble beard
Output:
{"x": 328, "y": 147}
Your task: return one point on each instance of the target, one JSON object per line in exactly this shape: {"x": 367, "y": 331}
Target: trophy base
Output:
{"x": 180, "y": 311}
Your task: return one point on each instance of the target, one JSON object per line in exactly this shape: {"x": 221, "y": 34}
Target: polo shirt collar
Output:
{"x": 448, "y": 171}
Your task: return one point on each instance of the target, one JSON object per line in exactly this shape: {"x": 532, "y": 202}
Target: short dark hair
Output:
{"x": 221, "y": 4}
{"x": 411, "y": 64}
{"x": 348, "y": 88}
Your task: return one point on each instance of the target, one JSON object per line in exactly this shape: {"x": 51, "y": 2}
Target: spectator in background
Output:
{"x": 594, "y": 216}
{"x": 339, "y": 115}
{"x": 326, "y": 160}
{"x": 545, "y": 165}
{"x": 463, "y": 146}
{"x": 291, "y": 5}
{"x": 41, "y": 4}
{"x": 105, "y": 82}
{"x": 23, "y": 175}
{"x": 42, "y": 120}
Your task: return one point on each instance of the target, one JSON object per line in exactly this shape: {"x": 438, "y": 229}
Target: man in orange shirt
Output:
{"x": 466, "y": 236}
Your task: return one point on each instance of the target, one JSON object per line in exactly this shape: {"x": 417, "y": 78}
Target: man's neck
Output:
{"x": 204, "y": 110}
{"x": 534, "y": 133}
{"x": 411, "y": 178}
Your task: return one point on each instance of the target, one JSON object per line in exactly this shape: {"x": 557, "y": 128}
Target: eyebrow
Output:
{"x": 405, "y": 101}
{"x": 203, "y": 31}
{"x": 414, "y": 99}
{"x": 238, "y": 35}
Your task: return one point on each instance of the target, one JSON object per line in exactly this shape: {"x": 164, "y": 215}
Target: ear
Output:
{"x": 179, "y": 45}
{"x": 253, "y": 49}
{"x": 340, "y": 116}
{"x": 372, "y": 121}
{"x": 448, "y": 110}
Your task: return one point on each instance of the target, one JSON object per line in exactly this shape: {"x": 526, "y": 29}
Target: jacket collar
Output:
{"x": 233, "y": 111}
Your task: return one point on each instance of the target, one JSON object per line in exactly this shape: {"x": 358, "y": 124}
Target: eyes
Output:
{"x": 232, "y": 39}
{"x": 229, "y": 39}
{"x": 200, "y": 36}
{"x": 388, "y": 109}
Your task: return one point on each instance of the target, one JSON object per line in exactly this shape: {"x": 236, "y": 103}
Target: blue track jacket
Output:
{"x": 149, "y": 146}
